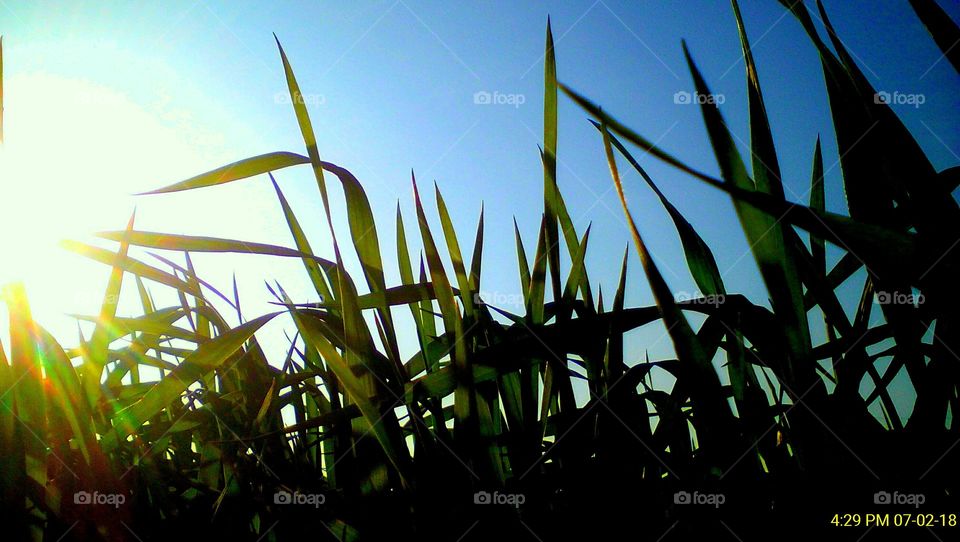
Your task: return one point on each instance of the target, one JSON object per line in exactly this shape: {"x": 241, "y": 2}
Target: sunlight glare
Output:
{"x": 73, "y": 155}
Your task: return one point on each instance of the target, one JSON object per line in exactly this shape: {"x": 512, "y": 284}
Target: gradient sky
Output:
{"x": 128, "y": 96}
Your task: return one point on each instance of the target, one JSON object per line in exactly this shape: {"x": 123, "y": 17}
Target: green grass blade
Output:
{"x": 613, "y": 358}
{"x": 710, "y": 409}
{"x": 476, "y": 260}
{"x": 363, "y": 227}
{"x": 613, "y": 125}
{"x": 66, "y": 394}
{"x": 818, "y": 202}
{"x": 766, "y": 238}
{"x": 700, "y": 260}
{"x": 193, "y": 243}
{"x": 576, "y": 272}
{"x": 549, "y": 158}
{"x": 309, "y": 138}
{"x": 206, "y": 358}
{"x": 523, "y": 265}
{"x": 464, "y": 400}
{"x": 363, "y": 231}
{"x": 96, "y": 357}
{"x": 406, "y": 277}
{"x": 387, "y": 435}
{"x": 456, "y": 257}
{"x": 535, "y": 299}
{"x": 241, "y": 169}
{"x": 426, "y": 305}
{"x": 438, "y": 276}
{"x": 766, "y": 166}
{"x": 313, "y": 268}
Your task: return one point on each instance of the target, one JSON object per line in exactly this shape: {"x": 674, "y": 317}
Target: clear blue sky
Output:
{"x": 392, "y": 87}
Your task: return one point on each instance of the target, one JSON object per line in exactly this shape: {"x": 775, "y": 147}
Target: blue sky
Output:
{"x": 391, "y": 88}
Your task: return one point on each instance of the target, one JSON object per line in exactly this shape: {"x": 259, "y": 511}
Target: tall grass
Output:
{"x": 376, "y": 445}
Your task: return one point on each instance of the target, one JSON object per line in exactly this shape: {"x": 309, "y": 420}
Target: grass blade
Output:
{"x": 238, "y": 170}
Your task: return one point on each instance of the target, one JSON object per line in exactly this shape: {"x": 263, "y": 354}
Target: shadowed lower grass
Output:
{"x": 479, "y": 432}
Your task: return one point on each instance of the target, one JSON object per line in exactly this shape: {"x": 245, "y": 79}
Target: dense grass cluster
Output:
{"x": 377, "y": 446}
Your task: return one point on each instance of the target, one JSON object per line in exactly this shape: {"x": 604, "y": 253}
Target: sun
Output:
{"x": 65, "y": 142}
{"x": 73, "y": 154}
